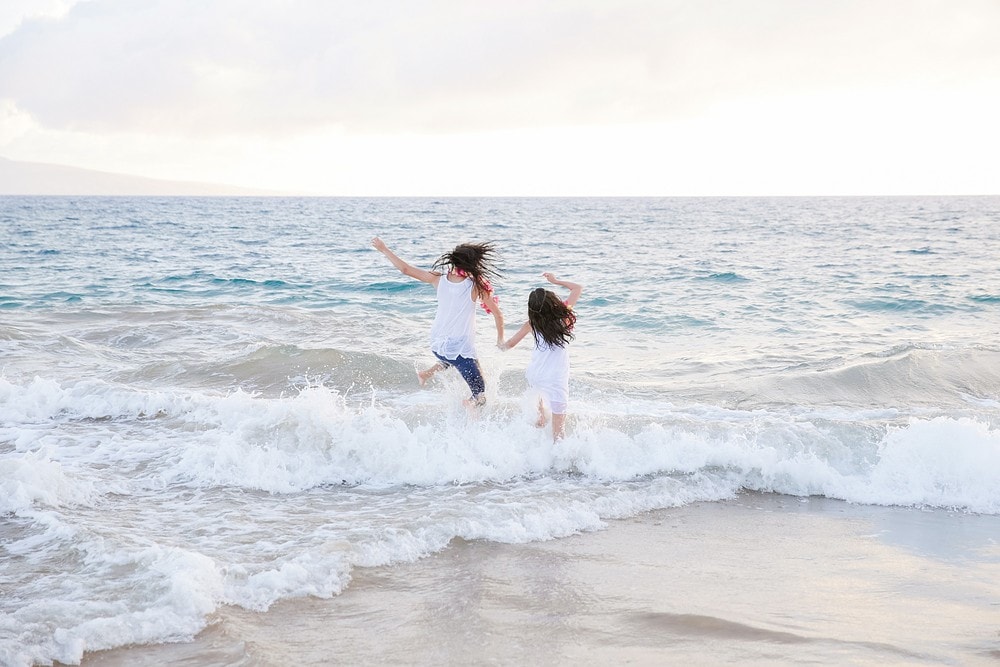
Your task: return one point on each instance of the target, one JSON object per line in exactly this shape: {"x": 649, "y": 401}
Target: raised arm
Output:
{"x": 574, "y": 289}
{"x": 404, "y": 268}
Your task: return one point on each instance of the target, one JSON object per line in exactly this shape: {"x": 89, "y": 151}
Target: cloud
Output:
{"x": 14, "y": 12}
{"x": 461, "y": 97}
{"x": 190, "y": 68}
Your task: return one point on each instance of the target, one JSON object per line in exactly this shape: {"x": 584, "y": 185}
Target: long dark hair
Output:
{"x": 550, "y": 318}
{"x": 477, "y": 260}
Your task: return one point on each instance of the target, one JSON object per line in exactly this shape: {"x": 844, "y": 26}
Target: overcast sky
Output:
{"x": 515, "y": 97}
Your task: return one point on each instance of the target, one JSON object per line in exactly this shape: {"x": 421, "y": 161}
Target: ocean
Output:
{"x": 210, "y": 404}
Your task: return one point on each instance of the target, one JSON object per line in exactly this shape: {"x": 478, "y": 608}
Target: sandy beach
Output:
{"x": 761, "y": 579}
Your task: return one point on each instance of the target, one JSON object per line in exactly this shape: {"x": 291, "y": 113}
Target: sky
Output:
{"x": 511, "y": 98}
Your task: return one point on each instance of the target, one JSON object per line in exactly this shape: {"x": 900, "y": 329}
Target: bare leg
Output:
{"x": 543, "y": 415}
{"x": 424, "y": 376}
{"x": 558, "y": 426}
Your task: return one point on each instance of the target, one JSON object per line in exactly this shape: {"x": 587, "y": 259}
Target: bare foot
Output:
{"x": 472, "y": 405}
{"x": 477, "y": 402}
{"x": 424, "y": 376}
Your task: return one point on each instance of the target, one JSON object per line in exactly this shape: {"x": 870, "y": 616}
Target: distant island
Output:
{"x": 36, "y": 178}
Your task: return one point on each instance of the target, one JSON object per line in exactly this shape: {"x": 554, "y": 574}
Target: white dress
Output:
{"x": 453, "y": 333}
{"x": 548, "y": 373}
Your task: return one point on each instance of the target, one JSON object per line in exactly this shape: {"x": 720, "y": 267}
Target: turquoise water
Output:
{"x": 210, "y": 401}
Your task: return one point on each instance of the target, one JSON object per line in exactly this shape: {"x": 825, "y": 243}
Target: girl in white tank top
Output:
{"x": 462, "y": 279}
{"x": 551, "y": 321}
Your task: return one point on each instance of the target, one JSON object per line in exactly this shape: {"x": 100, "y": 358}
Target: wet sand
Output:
{"x": 762, "y": 579}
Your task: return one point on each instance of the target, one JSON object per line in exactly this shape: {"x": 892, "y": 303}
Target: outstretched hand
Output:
{"x": 378, "y": 244}
{"x": 551, "y": 277}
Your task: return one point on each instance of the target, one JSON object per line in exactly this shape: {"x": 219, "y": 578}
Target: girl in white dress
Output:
{"x": 551, "y": 321}
{"x": 462, "y": 279}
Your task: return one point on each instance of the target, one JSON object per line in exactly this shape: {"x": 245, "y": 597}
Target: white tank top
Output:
{"x": 548, "y": 369}
{"x": 453, "y": 333}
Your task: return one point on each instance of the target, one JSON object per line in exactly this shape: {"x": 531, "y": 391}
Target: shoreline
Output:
{"x": 759, "y": 579}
